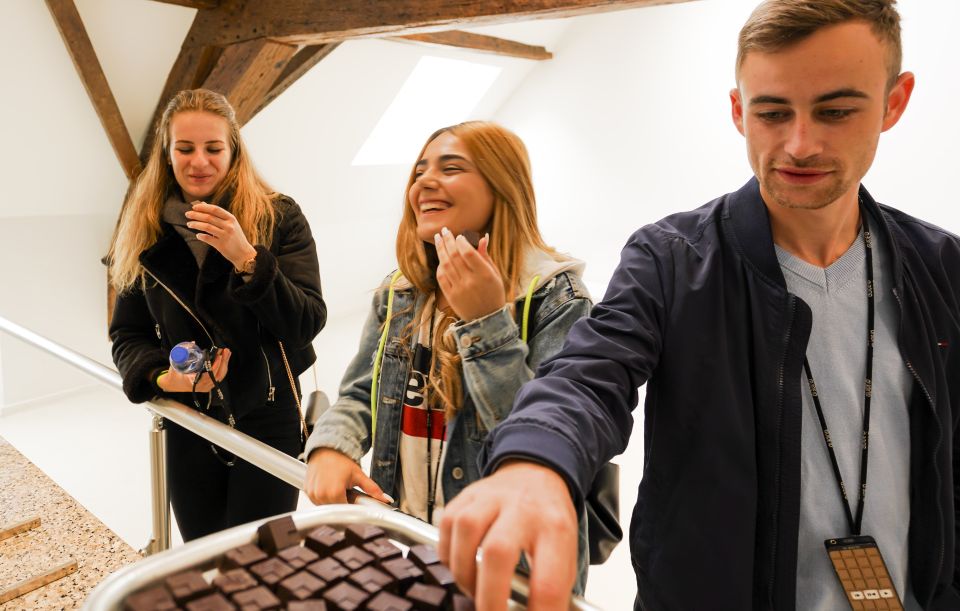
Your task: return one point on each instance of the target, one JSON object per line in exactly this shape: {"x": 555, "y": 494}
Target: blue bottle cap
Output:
{"x": 179, "y": 354}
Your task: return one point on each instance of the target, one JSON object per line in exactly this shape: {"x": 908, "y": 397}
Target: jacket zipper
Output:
{"x": 933, "y": 409}
{"x": 183, "y": 305}
{"x": 774, "y": 530}
{"x": 271, "y": 389}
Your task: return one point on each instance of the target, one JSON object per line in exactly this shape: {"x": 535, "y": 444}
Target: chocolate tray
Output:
{"x": 203, "y": 553}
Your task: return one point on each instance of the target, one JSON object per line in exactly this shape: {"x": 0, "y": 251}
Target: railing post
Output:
{"x": 158, "y": 484}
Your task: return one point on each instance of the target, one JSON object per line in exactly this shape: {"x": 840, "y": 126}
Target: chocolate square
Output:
{"x": 278, "y": 534}
{"x": 344, "y": 597}
{"x": 372, "y": 580}
{"x": 329, "y": 570}
{"x": 462, "y": 603}
{"x": 423, "y": 555}
{"x": 325, "y": 540}
{"x": 242, "y": 557}
{"x": 271, "y": 571}
{"x": 154, "y": 599}
{"x": 256, "y": 599}
{"x": 382, "y": 549}
{"x": 403, "y": 571}
{"x": 234, "y": 581}
{"x": 298, "y": 557}
{"x": 358, "y": 534}
{"x": 307, "y": 605}
{"x": 214, "y": 602}
{"x": 353, "y": 558}
{"x": 427, "y": 597}
{"x": 300, "y": 586}
{"x": 187, "y": 586}
{"x": 440, "y": 575}
{"x": 385, "y": 601}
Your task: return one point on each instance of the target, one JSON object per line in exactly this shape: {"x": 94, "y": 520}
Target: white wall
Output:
{"x": 631, "y": 122}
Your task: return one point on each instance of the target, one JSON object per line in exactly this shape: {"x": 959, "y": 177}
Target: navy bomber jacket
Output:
{"x": 698, "y": 310}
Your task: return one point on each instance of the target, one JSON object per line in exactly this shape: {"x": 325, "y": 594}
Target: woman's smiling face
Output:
{"x": 449, "y": 191}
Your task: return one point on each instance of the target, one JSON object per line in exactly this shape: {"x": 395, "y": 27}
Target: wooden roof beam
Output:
{"x": 246, "y": 72}
{"x": 299, "y": 64}
{"x": 78, "y": 44}
{"x": 197, "y": 4}
{"x": 311, "y": 22}
{"x": 479, "y": 42}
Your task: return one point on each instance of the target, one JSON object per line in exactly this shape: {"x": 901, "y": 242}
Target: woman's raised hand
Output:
{"x": 467, "y": 277}
{"x": 331, "y": 473}
{"x": 174, "y": 381}
{"x": 220, "y": 229}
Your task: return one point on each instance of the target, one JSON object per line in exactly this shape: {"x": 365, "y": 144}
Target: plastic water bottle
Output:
{"x": 187, "y": 357}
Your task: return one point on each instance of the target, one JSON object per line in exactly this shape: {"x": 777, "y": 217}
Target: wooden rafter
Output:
{"x": 75, "y": 37}
{"x": 479, "y": 42}
{"x": 246, "y": 71}
{"x": 199, "y": 4}
{"x": 299, "y": 64}
{"x": 319, "y": 21}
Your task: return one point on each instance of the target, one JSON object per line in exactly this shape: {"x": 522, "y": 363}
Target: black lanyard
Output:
{"x": 855, "y": 525}
{"x": 433, "y": 479}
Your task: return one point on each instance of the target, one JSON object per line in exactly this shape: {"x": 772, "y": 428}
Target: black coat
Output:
{"x": 699, "y": 311}
{"x": 282, "y": 301}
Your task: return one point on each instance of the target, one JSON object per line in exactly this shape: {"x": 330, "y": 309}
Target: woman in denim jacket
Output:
{"x": 446, "y": 345}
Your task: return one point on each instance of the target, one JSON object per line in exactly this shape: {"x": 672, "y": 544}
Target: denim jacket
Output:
{"x": 495, "y": 363}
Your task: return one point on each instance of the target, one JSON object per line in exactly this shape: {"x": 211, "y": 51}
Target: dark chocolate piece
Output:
{"x": 372, "y": 580}
{"x": 325, "y": 540}
{"x": 278, "y": 534}
{"x": 234, "y": 581}
{"x": 242, "y": 557}
{"x": 256, "y": 599}
{"x": 298, "y": 557}
{"x": 439, "y": 575}
{"x": 385, "y": 601}
{"x": 358, "y": 534}
{"x": 313, "y": 604}
{"x": 382, "y": 549}
{"x": 214, "y": 602}
{"x": 344, "y": 597}
{"x": 329, "y": 570}
{"x": 154, "y": 599}
{"x": 472, "y": 237}
{"x": 301, "y": 586}
{"x": 423, "y": 555}
{"x": 353, "y": 558}
{"x": 426, "y": 597}
{"x": 271, "y": 571}
{"x": 462, "y": 603}
{"x": 187, "y": 586}
{"x": 403, "y": 571}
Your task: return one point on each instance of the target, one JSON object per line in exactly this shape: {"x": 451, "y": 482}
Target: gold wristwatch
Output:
{"x": 246, "y": 269}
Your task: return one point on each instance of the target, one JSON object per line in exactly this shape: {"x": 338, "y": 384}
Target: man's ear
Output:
{"x": 897, "y": 99}
{"x": 736, "y": 109}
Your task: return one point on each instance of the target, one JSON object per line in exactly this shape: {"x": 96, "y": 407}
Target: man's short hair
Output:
{"x": 778, "y": 24}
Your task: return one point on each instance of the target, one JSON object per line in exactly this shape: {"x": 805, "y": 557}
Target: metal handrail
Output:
{"x": 249, "y": 449}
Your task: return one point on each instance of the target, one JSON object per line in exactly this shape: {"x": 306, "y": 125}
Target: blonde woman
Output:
{"x": 205, "y": 251}
{"x": 454, "y": 333}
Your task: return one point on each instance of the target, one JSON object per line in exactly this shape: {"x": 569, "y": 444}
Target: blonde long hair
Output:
{"x": 251, "y": 199}
{"x": 501, "y": 159}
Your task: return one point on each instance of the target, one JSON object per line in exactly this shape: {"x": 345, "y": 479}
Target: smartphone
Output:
{"x": 862, "y": 573}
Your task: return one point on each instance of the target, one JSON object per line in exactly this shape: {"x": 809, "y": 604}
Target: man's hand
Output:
{"x": 524, "y": 507}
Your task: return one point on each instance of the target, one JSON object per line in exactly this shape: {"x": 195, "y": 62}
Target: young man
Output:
{"x": 797, "y": 339}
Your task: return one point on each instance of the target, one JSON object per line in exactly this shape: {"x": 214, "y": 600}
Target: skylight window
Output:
{"x": 439, "y": 91}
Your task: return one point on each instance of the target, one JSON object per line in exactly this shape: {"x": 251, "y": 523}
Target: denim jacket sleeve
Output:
{"x": 345, "y": 426}
{"x": 496, "y": 361}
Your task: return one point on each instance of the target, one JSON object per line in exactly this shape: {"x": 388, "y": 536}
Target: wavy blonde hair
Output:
{"x": 501, "y": 159}
{"x": 250, "y": 198}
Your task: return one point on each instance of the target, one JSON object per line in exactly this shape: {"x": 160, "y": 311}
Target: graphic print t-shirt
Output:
{"x": 421, "y": 428}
